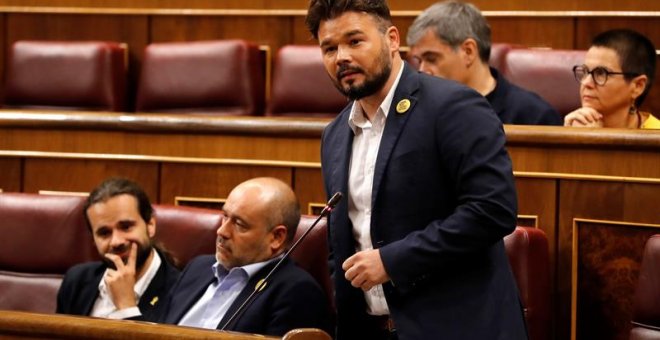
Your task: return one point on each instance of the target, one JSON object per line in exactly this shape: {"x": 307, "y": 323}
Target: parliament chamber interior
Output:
{"x": 191, "y": 98}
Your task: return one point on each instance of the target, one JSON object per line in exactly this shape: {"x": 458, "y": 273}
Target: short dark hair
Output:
{"x": 636, "y": 54}
{"x": 119, "y": 186}
{"x": 320, "y": 10}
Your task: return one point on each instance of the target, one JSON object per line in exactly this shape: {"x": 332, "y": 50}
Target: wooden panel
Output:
{"x": 83, "y": 175}
{"x": 308, "y": 184}
{"x": 219, "y": 146}
{"x": 557, "y": 33}
{"x": 274, "y": 31}
{"x": 10, "y": 174}
{"x": 542, "y": 5}
{"x": 598, "y": 200}
{"x": 537, "y": 197}
{"x": 210, "y": 181}
{"x": 606, "y": 262}
{"x": 129, "y": 29}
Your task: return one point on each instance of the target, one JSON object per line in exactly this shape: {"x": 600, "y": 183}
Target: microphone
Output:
{"x": 262, "y": 283}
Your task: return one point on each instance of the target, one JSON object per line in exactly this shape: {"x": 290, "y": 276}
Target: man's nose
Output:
{"x": 117, "y": 239}
{"x": 224, "y": 229}
{"x": 343, "y": 55}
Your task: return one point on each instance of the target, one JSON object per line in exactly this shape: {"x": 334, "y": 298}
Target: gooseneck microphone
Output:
{"x": 262, "y": 283}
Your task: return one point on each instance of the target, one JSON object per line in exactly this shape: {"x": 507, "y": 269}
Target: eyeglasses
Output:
{"x": 598, "y": 74}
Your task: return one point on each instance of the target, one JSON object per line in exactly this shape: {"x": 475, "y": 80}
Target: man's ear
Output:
{"x": 470, "y": 51}
{"x": 394, "y": 38}
{"x": 151, "y": 227}
{"x": 278, "y": 238}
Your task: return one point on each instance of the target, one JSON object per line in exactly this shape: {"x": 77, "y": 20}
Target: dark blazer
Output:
{"x": 80, "y": 288}
{"x": 515, "y": 105}
{"x": 443, "y": 198}
{"x": 291, "y": 299}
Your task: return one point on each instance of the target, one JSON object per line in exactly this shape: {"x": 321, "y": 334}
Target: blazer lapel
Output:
{"x": 408, "y": 84}
{"x": 90, "y": 291}
{"x": 191, "y": 296}
{"x": 245, "y": 293}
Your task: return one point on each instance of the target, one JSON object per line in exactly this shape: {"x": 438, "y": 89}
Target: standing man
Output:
{"x": 134, "y": 277}
{"x": 417, "y": 246}
{"x": 262, "y": 216}
{"x": 452, "y": 40}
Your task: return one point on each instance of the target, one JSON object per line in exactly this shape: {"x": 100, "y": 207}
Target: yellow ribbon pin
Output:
{"x": 260, "y": 285}
{"x": 403, "y": 106}
{"x": 154, "y": 301}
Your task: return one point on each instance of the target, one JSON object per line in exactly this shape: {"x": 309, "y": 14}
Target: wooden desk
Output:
{"x": 23, "y": 325}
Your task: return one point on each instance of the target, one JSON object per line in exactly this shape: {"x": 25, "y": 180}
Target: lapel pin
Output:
{"x": 154, "y": 301}
{"x": 402, "y": 106}
{"x": 260, "y": 285}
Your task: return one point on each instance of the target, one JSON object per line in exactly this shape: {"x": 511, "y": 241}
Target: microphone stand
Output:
{"x": 262, "y": 283}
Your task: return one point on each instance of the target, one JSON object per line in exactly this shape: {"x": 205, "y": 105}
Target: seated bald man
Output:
{"x": 262, "y": 217}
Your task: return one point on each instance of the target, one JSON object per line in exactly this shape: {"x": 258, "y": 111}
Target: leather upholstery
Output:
{"x": 301, "y": 85}
{"x": 224, "y": 77}
{"x": 186, "y": 232}
{"x": 87, "y": 75}
{"x": 498, "y": 52}
{"x": 646, "y": 305}
{"x": 548, "y": 73}
{"x": 527, "y": 249}
{"x": 312, "y": 253}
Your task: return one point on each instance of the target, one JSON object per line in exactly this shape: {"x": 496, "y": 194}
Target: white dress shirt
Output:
{"x": 209, "y": 310}
{"x": 361, "y": 179}
{"x": 105, "y": 308}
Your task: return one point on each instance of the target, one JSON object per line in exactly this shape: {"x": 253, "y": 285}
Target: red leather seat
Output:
{"x": 186, "y": 232}
{"x": 301, "y": 86}
{"x": 498, "y": 52}
{"x": 646, "y": 305}
{"x": 549, "y": 73}
{"x": 87, "y": 75}
{"x": 527, "y": 249}
{"x": 42, "y": 237}
{"x": 312, "y": 253}
{"x": 224, "y": 77}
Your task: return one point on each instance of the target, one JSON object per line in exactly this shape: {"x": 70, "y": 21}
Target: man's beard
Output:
{"x": 142, "y": 255}
{"x": 372, "y": 83}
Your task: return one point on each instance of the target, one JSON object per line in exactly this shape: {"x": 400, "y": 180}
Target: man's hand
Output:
{"x": 121, "y": 281}
{"x": 584, "y": 117}
{"x": 365, "y": 269}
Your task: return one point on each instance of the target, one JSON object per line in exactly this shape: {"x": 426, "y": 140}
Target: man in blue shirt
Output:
{"x": 262, "y": 215}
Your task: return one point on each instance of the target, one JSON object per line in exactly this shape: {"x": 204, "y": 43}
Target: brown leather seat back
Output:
{"x": 88, "y": 75}
{"x": 527, "y": 249}
{"x": 186, "y": 232}
{"x": 301, "y": 86}
{"x": 549, "y": 73}
{"x": 646, "y": 305}
{"x": 224, "y": 77}
{"x": 42, "y": 237}
{"x": 312, "y": 253}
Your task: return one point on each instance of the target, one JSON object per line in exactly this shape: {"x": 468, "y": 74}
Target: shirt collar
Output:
{"x": 357, "y": 118}
{"x": 250, "y": 269}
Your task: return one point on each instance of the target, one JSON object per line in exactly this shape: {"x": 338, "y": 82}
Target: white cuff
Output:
{"x": 125, "y": 313}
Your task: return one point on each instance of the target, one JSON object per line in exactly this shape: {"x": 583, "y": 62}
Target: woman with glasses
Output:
{"x": 616, "y": 76}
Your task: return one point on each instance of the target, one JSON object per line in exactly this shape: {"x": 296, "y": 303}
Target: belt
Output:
{"x": 385, "y": 323}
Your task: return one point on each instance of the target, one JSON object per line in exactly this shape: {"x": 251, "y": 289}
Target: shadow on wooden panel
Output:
{"x": 606, "y": 261}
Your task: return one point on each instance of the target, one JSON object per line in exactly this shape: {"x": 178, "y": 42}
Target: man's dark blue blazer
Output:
{"x": 291, "y": 299}
{"x": 443, "y": 198}
{"x": 80, "y": 288}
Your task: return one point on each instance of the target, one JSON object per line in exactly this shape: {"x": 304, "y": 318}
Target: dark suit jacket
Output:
{"x": 515, "y": 105}
{"x": 291, "y": 299}
{"x": 443, "y": 198}
{"x": 80, "y": 288}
